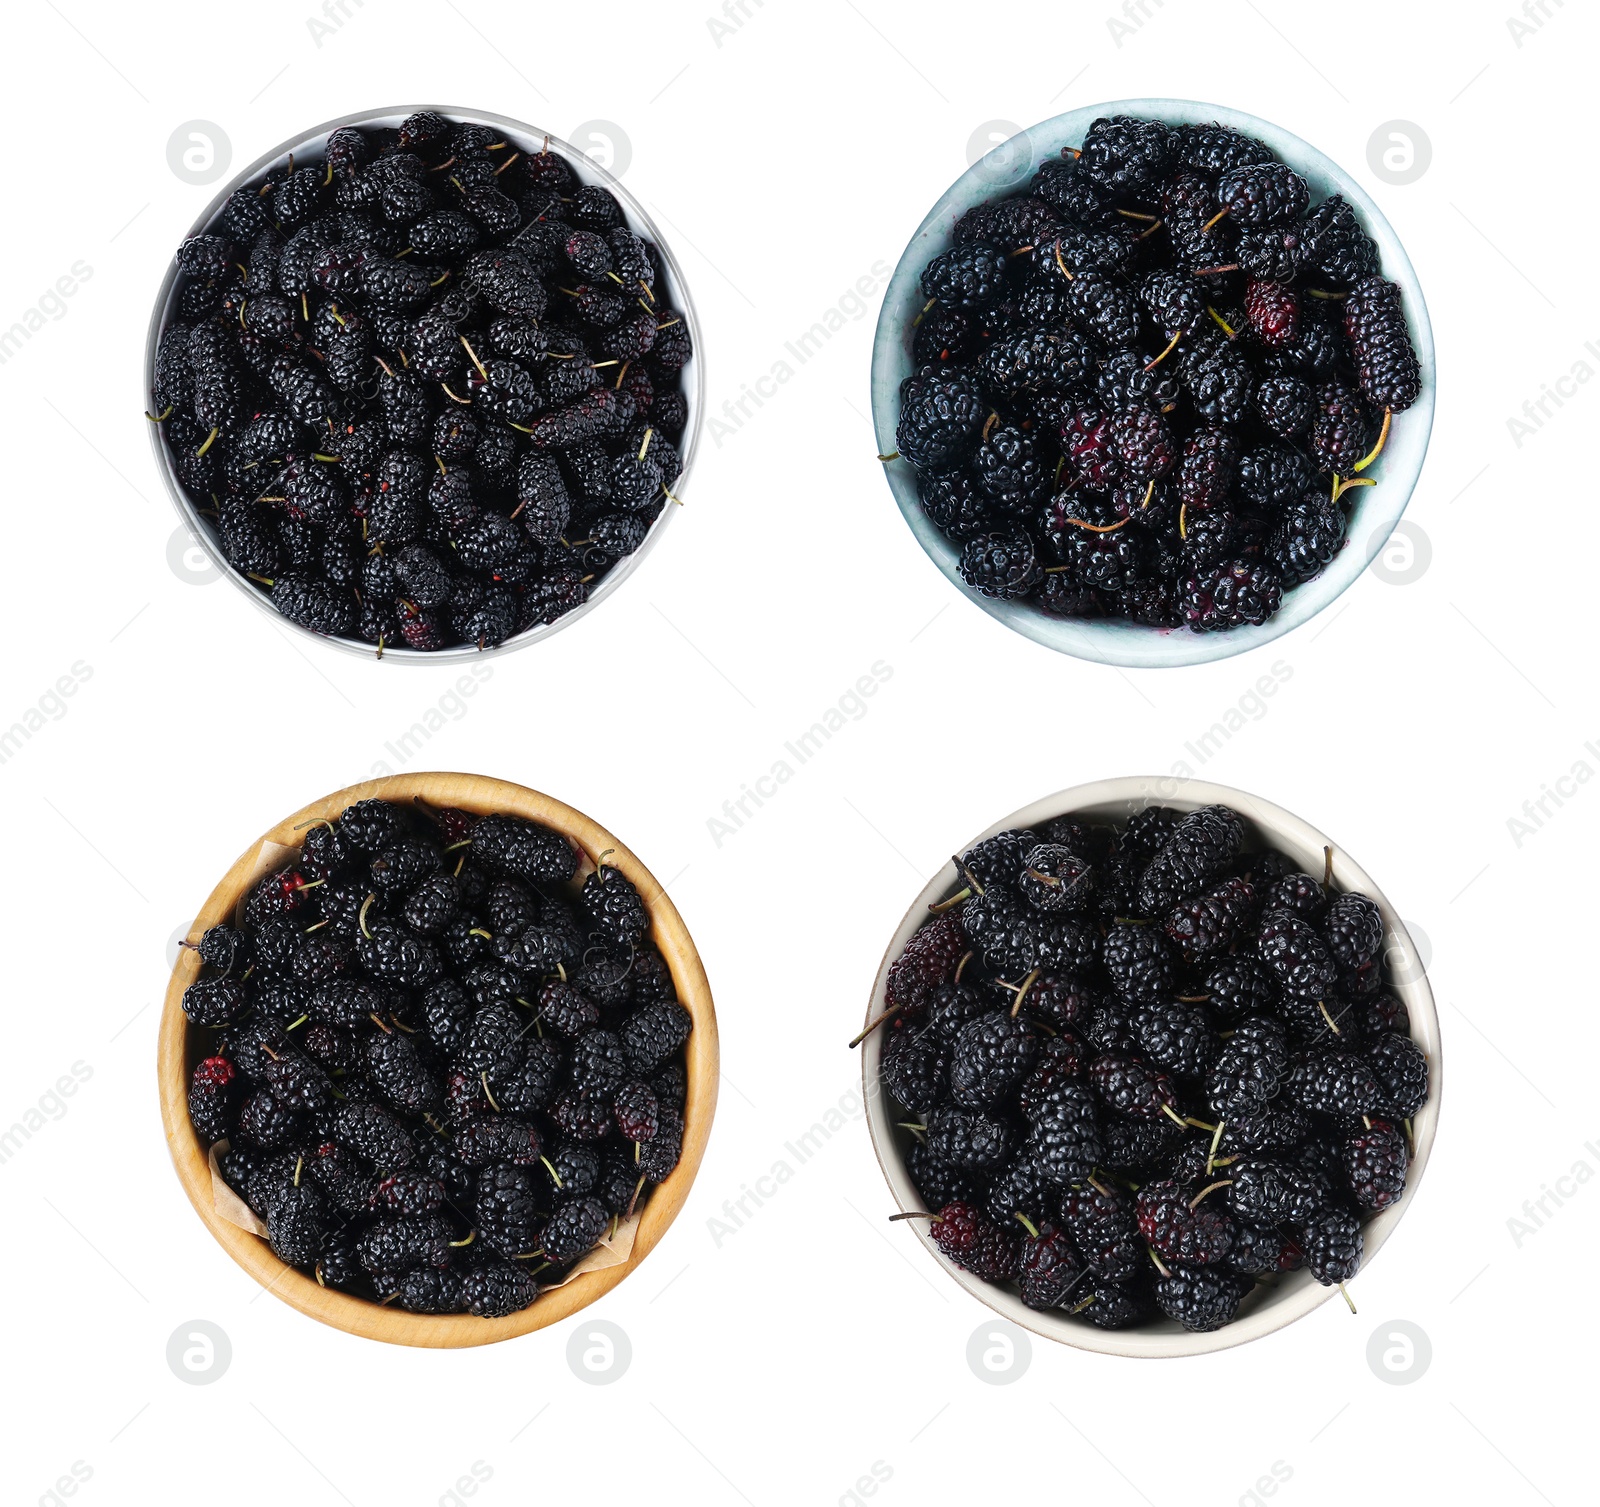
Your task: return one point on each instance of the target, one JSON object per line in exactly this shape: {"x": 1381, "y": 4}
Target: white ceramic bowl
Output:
{"x": 1296, "y": 1294}
{"x": 1008, "y": 169}
{"x": 528, "y": 139}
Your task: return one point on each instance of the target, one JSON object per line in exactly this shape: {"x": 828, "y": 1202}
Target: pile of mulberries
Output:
{"x": 425, "y": 388}
{"x": 1143, "y": 1069}
{"x": 1145, "y": 388}
{"x": 444, "y": 1068}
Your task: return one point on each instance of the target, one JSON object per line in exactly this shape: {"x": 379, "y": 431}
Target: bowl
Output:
{"x": 1298, "y": 1292}
{"x": 1377, "y": 509}
{"x": 528, "y": 139}
{"x": 181, "y": 1045}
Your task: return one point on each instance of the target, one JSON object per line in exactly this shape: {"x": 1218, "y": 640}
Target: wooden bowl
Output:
{"x": 181, "y": 1046}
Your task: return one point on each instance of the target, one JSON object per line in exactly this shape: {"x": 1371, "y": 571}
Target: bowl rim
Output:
{"x": 587, "y": 171}
{"x": 1298, "y": 1294}
{"x": 177, "y": 1040}
{"x": 1376, "y": 513}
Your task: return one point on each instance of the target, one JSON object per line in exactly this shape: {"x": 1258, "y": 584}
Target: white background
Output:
{"x": 786, "y": 161}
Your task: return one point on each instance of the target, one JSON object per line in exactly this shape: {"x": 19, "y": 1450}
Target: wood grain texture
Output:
{"x": 180, "y": 1046}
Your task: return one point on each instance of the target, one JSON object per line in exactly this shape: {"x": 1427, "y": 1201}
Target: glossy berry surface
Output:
{"x": 1142, "y": 385}
{"x": 446, "y": 1068}
{"x": 420, "y": 399}
{"x": 1135, "y": 1123}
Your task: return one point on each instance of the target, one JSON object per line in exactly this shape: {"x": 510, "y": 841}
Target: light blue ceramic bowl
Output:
{"x": 1008, "y": 168}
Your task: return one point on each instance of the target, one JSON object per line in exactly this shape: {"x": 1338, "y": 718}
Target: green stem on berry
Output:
{"x": 1324, "y": 293}
{"x": 467, "y": 402}
{"x": 1022, "y": 990}
{"x": 1226, "y": 1182}
{"x": 1173, "y": 1114}
{"x": 458, "y": 1244}
{"x": 892, "y": 455}
{"x": 295, "y": 1024}
{"x": 377, "y": 1020}
{"x": 1171, "y": 346}
{"x": 1216, "y": 1140}
{"x": 917, "y": 1214}
{"x": 1342, "y": 484}
{"x": 1333, "y": 1025}
{"x": 361, "y": 915}
{"x": 1192, "y": 999}
{"x": 1026, "y": 1223}
{"x": 1100, "y": 528}
{"x": 166, "y": 413}
{"x": 555, "y": 1176}
{"x": 1212, "y": 221}
{"x": 1348, "y": 1299}
{"x": 1383, "y": 436}
{"x": 1227, "y": 329}
{"x": 1198, "y": 1124}
{"x": 638, "y": 1188}
{"x": 966, "y": 958}
{"x": 939, "y": 907}
{"x": 872, "y": 1025}
{"x": 1160, "y": 1267}
{"x": 1061, "y": 264}
{"x": 1327, "y": 865}
{"x": 1098, "y": 1186}
{"x": 210, "y": 440}
{"x": 1215, "y": 271}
